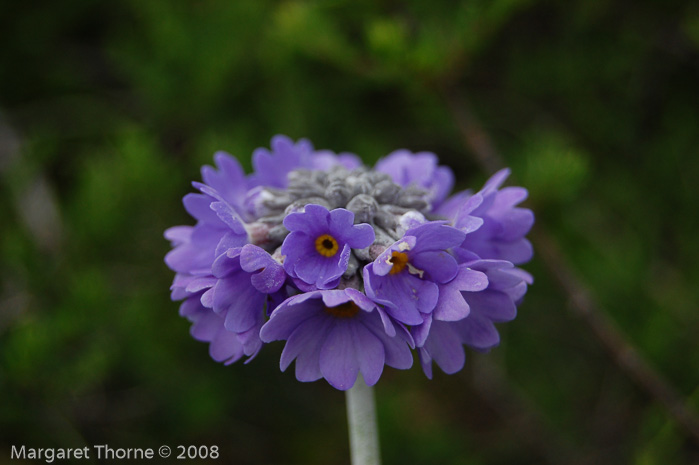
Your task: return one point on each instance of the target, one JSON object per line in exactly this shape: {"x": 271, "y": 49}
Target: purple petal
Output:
{"x": 228, "y": 215}
{"x": 227, "y": 263}
{"x": 382, "y": 265}
{"x": 323, "y": 160}
{"x": 206, "y": 325}
{"x": 272, "y": 168}
{"x": 339, "y": 219}
{"x": 230, "y": 240}
{"x": 286, "y": 318}
{"x": 178, "y": 234}
{"x": 225, "y": 347}
{"x": 271, "y": 277}
{"x": 450, "y": 207}
{"x": 304, "y": 345}
{"x": 200, "y": 283}
{"x": 230, "y": 181}
{"x": 421, "y": 332}
{"x": 404, "y": 295}
{"x": 444, "y": 347}
{"x": 313, "y": 220}
{"x": 442, "y": 184}
{"x": 435, "y": 236}
{"x": 477, "y": 331}
{"x": 198, "y": 205}
{"x": 425, "y": 361}
{"x": 370, "y": 352}
{"x": 439, "y": 265}
{"x": 239, "y": 302}
{"x": 338, "y": 357}
{"x": 495, "y": 305}
{"x": 322, "y": 271}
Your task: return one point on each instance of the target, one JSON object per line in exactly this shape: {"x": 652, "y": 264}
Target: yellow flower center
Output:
{"x": 326, "y": 245}
{"x": 346, "y": 310}
{"x": 399, "y": 261}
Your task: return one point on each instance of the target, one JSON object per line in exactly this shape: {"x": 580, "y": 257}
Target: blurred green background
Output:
{"x": 108, "y": 109}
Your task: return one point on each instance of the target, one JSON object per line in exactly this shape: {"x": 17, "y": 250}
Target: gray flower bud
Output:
{"x": 363, "y": 206}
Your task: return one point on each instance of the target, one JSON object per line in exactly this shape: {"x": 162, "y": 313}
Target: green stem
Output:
{"x": 361, "y": 417}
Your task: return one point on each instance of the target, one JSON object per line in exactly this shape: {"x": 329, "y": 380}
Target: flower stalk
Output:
{"x": 361, "y": 419}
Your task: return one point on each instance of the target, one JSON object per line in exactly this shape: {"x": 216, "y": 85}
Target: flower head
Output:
{"x": 353, "y": 267}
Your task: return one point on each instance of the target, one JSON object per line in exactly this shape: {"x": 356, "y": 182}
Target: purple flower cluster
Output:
{"x": 353, "y": 267}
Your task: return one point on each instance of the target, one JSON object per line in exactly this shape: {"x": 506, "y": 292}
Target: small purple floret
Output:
{"x": 494, "y": 304}
{"x": 501, "y": 236}
{"x": 406, "y": 275}
{"x": 318, "y": 248}
{"x": 336, "y": 334}
{"x": 420, "y": 170}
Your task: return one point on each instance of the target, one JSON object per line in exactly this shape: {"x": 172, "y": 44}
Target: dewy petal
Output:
{"x": 269, "y": 280}
{"x": 228, "y": 215}
{"x": 268, "y": 275}
{"x": 338, "y": 357}
{"x": 254, "y": 258}
{"x": 230, "y": 240}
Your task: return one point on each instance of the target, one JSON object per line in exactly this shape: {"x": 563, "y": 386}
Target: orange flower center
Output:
{"x": 346, "y": 310}
{"x": 399, "y": 261}
{"x": 326, "y": 245}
